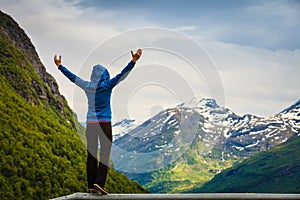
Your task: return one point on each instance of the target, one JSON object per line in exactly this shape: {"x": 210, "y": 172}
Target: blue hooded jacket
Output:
{"x": 98, "y": 90}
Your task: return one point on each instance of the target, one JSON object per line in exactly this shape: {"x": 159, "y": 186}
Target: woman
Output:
{"x": 98, "y": 91}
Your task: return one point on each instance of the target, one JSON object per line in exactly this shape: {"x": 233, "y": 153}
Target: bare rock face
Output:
{"x": 47, "y": 92}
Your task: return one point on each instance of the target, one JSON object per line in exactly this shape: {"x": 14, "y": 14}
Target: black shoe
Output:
{"x": 100, "y": 189}
{"x": 92, "y": 190}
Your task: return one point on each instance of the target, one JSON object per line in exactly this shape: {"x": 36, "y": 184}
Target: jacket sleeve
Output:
{"x": 121, "y": 76}
{"x": 75, "y": 79}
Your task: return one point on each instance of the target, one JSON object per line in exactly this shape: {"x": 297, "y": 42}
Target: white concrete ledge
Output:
{"x": 203, "y": 196}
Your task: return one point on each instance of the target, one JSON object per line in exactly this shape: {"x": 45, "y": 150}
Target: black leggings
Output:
{"x": 98, "y": 173}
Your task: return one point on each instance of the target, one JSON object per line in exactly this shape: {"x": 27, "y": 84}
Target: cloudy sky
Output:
{"x": 245, "y": 54}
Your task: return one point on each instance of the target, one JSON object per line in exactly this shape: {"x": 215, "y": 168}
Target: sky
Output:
{"x": 244, "y": 54}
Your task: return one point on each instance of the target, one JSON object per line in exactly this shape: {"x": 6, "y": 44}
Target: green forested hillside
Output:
{"x": 274, "y": 171}
{"x": 41, "y": 153}
{"x": 190, "y": 171}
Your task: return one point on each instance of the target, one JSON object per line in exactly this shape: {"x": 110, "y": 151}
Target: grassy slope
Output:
{"x": 274, "y": 171}
{"x": 188, "y": 172}
{"x": 182, "y": 176}
{"x": 41, "y": 153}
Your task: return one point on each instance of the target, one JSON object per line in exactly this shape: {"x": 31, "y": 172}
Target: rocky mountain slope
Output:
{"x": 199, "y": 138}
{"x": 42, "y": 155}
{"x": 13, "y": 34}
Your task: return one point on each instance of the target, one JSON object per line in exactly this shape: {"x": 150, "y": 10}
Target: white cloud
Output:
{"x": 186, "y": 28}
{"x": 256, "y": 80}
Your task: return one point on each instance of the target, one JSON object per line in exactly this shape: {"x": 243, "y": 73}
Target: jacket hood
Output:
{"x": 99, "y": 74}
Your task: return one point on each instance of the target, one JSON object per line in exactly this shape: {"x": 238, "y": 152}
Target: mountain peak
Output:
{"x": 202, "y": 102}
{"x": 208, "y": 103}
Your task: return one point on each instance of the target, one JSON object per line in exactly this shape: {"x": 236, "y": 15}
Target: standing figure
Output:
{"x": 98, "y": 91}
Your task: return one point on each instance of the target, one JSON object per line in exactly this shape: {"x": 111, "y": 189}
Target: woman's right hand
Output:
{"x": 57, "y": 61}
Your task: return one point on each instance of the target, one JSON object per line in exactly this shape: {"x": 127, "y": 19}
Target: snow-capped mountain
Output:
{"x": 253, "y": 134}
{"x": 122, "y": 127}
{"x": 156, "y": 132}
{"x": 244, "y": 135}
{"x": 217, "y": 131}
